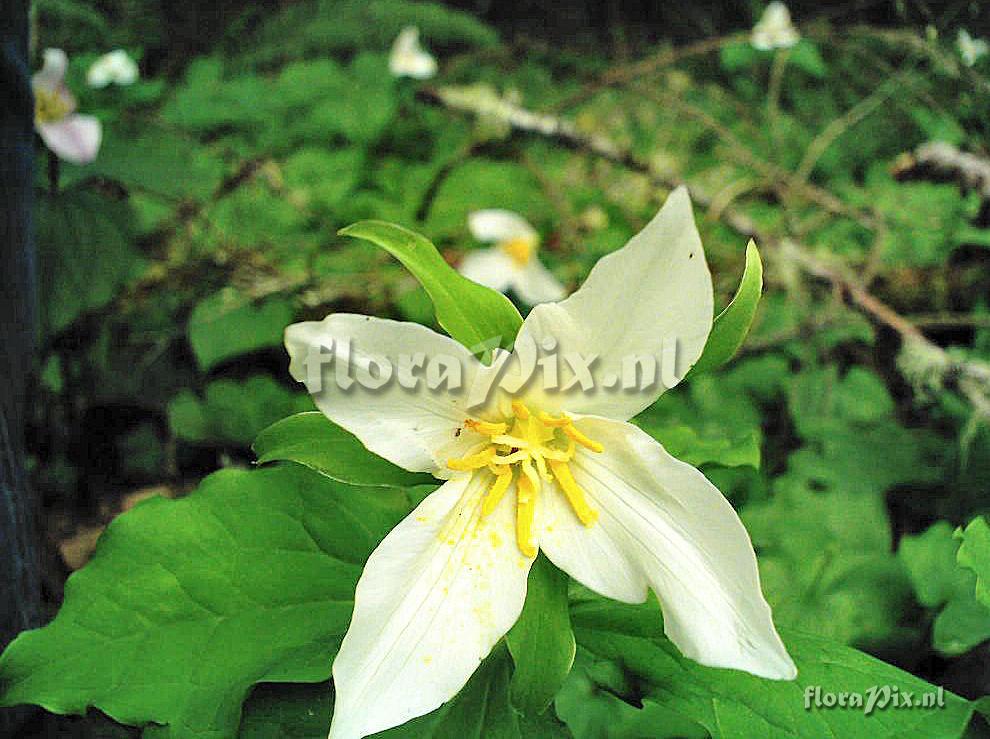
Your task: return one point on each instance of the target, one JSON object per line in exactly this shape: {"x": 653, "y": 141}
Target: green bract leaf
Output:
{"x": 226, "y": 325}
{"x": 476, "y": 316}
{"x": 188, "y": 603}
{"x": 313, "y": 440}
{"x": 729, "y": 703}
{"x": 732, "y": 324}
{"x": 541, "y": 642}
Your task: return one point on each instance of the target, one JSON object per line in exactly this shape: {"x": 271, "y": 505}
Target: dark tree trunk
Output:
{"x": 19, "y": 578}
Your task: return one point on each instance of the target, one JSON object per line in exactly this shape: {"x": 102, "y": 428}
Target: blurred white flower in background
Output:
{"x": 774, "y": 29}
{"x": 71, "y": 136}
{"x": 970, "y": 49}
{"x": 511, "y": 263}
{"x": 114, "y": 68}
{"x": 408, "y": 57}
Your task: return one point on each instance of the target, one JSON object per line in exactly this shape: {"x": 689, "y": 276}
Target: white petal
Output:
{"x": 663, "y": 519}
{"x": 535, "y": 284}
{"x": 653, "y": 292}
{"x": 775, "y": 29}
{"x": 430, "y": 605}
{"x": 408, "y": 58}
{"x": 415, "y": 428}
{"x": 497, "y": 225}
{"x": 53, "y": 68}
{"x": 75, "y": 138}
{"x": 114, "y": 67}
{"x": 489, "y": 267}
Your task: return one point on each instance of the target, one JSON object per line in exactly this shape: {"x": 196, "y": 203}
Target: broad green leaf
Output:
{"x": 232, "y": 412}
{"x": 476, "y": 316}
{"x": 85, "y": 254}
{"x": 541, "y": 642}
{"x": 943, "y": 585}
{"x": 227, "y": 324}
{"x": 188, "y": 603}
{"x": 732, "y": 324}
{"x": 687, "y": 445}
{"x": 313, "y": 440}
{"x": 805, "y": 56}
{"x": 731, "y": 703}
{"x": 974, "y": 554}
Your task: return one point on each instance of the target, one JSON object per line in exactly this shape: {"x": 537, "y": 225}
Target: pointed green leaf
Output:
{"x": 188, "y": 603}
{"x": 313, "y": 440}
{"x": 730, "y": 703}
{"x": 732, "y": 324}
{"x": 476, "y": 316}
{"x": 541, "y": 642}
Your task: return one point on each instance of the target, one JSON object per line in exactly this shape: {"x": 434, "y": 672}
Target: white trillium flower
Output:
{"x": 970, "y": 49}
{"x": 73, "y": 137}
{"x": 533, "y": 471}
{"x": 774, "y": 29}
{"x": 408, "y": 58}
{"x": 116, "y": 67}
{"x": 511, "y": 263}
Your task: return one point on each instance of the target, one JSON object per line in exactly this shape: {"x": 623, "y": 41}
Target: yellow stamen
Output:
{"x": 581, "y": 439}
{"x": 575, "y": 495}
{"x": 519, "y": 249}
{"x": 547, "y": 420}
{"x": 525, "y": 512}
{"x": 520, "y": 410}
{"x": 519, "y": 456}
{"x": 473, "y": 461}
{"x": 496, "y": 492}
{"x": 486, "y": 428}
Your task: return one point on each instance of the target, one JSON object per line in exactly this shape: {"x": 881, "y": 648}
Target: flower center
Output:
{"x": 541, "y": 448}
{"x": 520, "y": 250}
{"x": 50, "y": 106}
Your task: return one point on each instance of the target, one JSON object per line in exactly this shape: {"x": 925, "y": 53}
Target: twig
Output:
{"x": 943, "y": 162}
{"x": 925, "y": 362}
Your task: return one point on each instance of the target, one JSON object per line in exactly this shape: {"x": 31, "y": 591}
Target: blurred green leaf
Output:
{"x": 974, "y": 554}
{"x": 732, "y": 325}
{"x": 232, "y": 412}
{"x": 313, "y": 440}
{"x": 541, "y": 642}
{"x": 476, "y": 316}
{"x": 85, "y": 254}
{"x": 227, "y": 324}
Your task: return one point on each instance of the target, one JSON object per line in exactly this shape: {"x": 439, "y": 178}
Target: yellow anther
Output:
{"x": 487, "y": 428}
{"x": 575, "y": 495}
{"x": 547, "y": 420}
{"x": 513, "y": 441}
{"x": 520, "y": 249}
{"x": 525, "y": 512}
{"x": 473, "y": 461}
{"x": 581, "y": 439}
{"x": 520, "y": 410}
{"x": 496, "y": 492}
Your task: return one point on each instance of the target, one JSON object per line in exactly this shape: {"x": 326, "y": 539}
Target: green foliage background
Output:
{"x": 171, "y": 265}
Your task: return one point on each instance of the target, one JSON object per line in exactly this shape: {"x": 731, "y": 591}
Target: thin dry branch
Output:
{"x": 926, "y": 363}
{"x": 944, "y": 162}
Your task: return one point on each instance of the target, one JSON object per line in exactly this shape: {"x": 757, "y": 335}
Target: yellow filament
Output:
{"x": 496, "y": 492}
{"x": 520, "y": 250}
{"x": 556, "y": 423}
{"x": 520, "y": 410}
{"x": 487, "y": 428}
{"x": 473, "y": 461}
{"x": 525, "y": 512}
{"x": 581, "y": 439}
{"x": 575, "y": 495}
